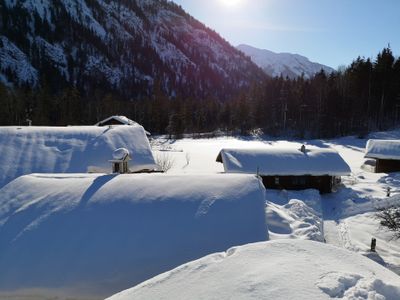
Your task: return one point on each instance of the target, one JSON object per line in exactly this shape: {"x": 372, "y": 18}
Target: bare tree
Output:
{"x": 390, "y": 219}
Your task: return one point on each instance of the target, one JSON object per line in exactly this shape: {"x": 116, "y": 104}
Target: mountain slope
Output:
{"x": 131, "y": 46}
{"x": 285, "y": 64}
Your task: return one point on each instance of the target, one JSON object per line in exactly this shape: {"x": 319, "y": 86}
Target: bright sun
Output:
{"x": 231, "y": 2}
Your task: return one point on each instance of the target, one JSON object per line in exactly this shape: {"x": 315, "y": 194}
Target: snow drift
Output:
{"x": 74, "y": 149}
{"x": 98, "y": 234}
{"x": 294, "y": 215}
{"x": 279, "y": 270}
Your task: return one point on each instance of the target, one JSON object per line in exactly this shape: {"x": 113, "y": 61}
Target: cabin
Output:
{"x": 118, "y": 120}
{"x": 72, "y": 149}
{"x": 386, "y": 154}
{"x": 120, "y": 161}
{"x": 288, "y": 168}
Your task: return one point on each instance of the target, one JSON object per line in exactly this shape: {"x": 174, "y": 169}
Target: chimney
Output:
{"x": 303, "y": 148}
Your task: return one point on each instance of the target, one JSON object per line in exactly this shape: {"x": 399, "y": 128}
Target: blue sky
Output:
{"x": 332, "y": 32}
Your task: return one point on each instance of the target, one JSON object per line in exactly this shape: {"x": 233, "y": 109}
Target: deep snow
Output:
{"x": 279, "y": 270}
{"x": 26, "y": 150}
{"x": 347, "y": 215}
{"x": 344, "y": 218}
{"x": 93, "y": 235}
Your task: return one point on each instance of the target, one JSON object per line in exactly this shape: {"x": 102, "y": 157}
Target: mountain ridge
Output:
{"x": 128, "y": 47}
{"x": 285, "y": 64}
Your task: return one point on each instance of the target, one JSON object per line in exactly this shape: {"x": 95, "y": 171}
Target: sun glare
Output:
{"x": 230, "y": 2}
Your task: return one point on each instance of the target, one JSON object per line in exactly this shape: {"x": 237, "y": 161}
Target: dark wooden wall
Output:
{"x": 387, "y": 165}
{"x": 322, "y": 183}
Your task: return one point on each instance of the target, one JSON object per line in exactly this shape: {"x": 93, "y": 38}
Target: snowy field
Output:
{"x": 344, "y": 218}
{"x": 191, "y": 197}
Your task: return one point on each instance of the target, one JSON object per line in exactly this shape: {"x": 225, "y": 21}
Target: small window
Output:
{"x": 276, "y": 180}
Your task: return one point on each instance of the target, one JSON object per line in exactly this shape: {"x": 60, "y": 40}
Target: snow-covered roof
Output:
{"x": 96, "y": 233}
{"x": 383, "y": 149}
{"x": 120, "y": 154}
{"x": 26, "y": 150}
{"x": 121, "y": 119}
{"x": 279, "y": 270}
{"x": 284, "y": 162}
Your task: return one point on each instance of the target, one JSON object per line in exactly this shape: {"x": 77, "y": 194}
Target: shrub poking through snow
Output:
{"x": 164, "y": 161}
{"x": 390, "y": 219}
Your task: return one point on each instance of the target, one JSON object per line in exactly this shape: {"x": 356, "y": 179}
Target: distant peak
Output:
{"x": 285, "y": 63}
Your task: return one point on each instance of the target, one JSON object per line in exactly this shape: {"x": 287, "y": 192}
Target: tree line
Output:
{"x": 357, "y": 99}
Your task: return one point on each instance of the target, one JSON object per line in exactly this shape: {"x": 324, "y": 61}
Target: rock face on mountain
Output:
{"x": 285, "y": 64}
{"x": 133, "y": 47}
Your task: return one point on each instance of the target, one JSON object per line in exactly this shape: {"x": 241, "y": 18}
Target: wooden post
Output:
{"x": 388, "y": 191}
{"x": 373, "y": 245}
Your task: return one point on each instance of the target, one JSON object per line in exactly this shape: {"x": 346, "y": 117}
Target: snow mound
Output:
{"x": 294, "y": 214}
{"x": 74, "y": 149}
{"x": 284, "y": 269}
{"x": 98, "y": 234}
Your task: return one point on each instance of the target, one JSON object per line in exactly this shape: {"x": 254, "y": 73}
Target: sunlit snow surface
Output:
{"x": 279, "y": 270}
{"x": 344, "y": 218}
{"x": 95, "y": 234}
{"x": 26, "y": 150}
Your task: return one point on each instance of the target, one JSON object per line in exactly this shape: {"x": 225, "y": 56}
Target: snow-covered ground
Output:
{"x": 95, "y": 234}
{"x": 279, "y": 270}
{"x": 102, "y": 208}
{"x": 345, "y": 218}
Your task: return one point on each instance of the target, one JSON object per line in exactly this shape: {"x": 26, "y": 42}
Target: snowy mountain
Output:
{"x": 285, "y": 64}
{"x": 133, "y": 47}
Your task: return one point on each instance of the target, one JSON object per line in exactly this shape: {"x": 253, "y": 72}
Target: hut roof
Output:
{"x": 284, "y": 162}
{"x": 74, "y": 149}
{"x": 121, "y": 119}
{"x": 383, "y": 149}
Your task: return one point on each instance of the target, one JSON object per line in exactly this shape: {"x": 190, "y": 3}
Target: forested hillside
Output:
{"x": 78, "y": 61}
{"x": 127, "y": 48}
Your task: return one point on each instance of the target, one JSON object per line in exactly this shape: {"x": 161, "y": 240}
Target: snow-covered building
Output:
{"x": 386, "y": 154}
{"x": 118, "y": 120}
{"x": 286, "y": 168}
{"x": 120, "y": 160}
{"x": 74, "y": 149}
{"x": 95, "y": 234}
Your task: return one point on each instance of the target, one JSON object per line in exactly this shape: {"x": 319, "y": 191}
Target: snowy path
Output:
{"x": 331, "y": 233}
{"x": 337, "y": 233}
